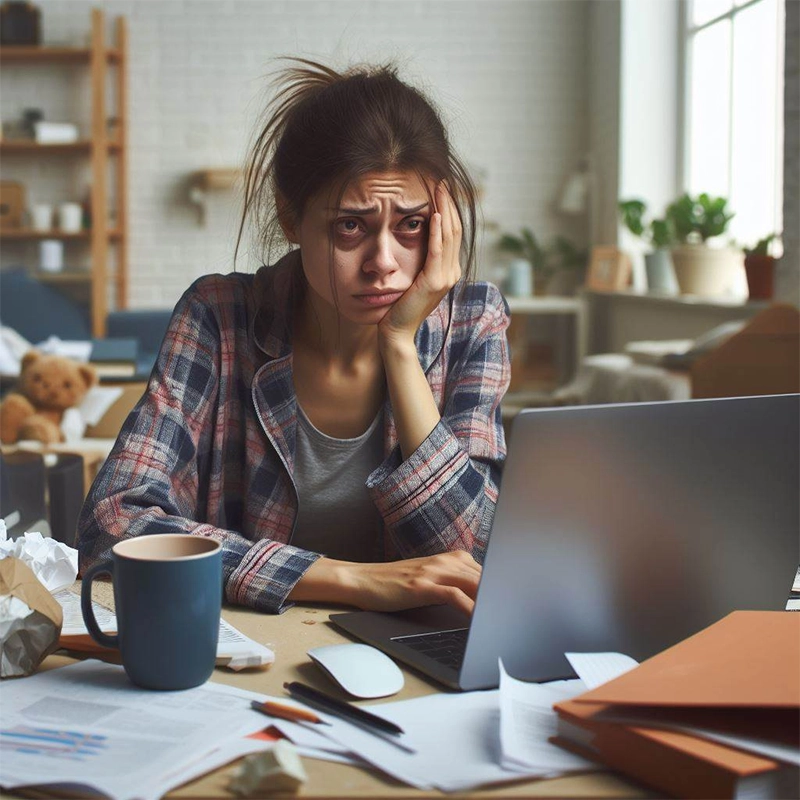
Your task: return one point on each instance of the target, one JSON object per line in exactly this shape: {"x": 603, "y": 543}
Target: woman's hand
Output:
{"x": 450, "y": 578}
{"x": 438, "y": 275}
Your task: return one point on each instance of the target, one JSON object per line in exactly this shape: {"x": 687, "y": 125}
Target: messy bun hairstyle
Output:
{"x": 324, "y": 129}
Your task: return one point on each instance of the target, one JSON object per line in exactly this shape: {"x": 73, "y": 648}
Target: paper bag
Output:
{"x": 30, "y": 619}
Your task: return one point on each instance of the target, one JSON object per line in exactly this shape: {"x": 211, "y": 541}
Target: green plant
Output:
{"x": 698, "y": 218}
{"x": 658, "y": 231}
{"x": 761, "y": 247}
{"x": 559, "y": 254}
{"x": 525, "y": 246}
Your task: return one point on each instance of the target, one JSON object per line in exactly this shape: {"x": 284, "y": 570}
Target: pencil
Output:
{"x": 287, "y": 712}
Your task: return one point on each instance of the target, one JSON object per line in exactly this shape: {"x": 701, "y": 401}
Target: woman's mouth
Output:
{"x": 377, "y": 299}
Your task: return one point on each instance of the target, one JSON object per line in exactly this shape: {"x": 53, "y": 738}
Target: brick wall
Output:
{"x": 511, "y": 78}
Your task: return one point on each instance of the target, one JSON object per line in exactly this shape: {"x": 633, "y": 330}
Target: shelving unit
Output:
{"x": 99, "y": 149}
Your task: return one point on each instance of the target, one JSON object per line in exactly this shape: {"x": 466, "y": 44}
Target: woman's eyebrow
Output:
{"x": 363, "y": 212}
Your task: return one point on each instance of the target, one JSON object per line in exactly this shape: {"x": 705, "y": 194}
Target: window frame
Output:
{"x": 685, "y": 33}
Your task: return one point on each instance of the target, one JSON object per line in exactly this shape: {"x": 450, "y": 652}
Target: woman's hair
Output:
{"x": 326, "y": 129}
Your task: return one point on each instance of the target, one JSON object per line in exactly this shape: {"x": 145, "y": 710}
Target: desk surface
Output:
{"x": 290, "y": 635}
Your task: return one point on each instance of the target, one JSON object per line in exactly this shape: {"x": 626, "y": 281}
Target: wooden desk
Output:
{"x": 290, "y": 635}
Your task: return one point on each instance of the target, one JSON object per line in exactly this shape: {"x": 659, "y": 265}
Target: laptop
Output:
{"x": 619, "y": 528}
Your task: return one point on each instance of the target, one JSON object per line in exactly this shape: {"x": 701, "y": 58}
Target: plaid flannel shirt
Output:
{"x": 209, "y": 449}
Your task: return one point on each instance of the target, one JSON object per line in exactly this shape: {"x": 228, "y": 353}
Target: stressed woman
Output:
{"x": 334, "y": 419}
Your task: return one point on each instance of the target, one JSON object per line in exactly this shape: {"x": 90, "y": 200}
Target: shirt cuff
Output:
{"x": 399, "y": 487}
{"x": 267, "y": 574}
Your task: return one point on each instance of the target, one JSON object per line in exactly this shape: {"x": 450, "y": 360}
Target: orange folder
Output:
{"x": 749, "y": 659}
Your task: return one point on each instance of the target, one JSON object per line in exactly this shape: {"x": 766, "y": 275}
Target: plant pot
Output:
{"x": 660, "y": 273}
{"x": 760, "y": 276}
{"x": 705, "y": 271}
{"x": 565, "y": 282}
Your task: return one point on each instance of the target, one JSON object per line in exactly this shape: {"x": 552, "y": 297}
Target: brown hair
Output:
{"x": 325, "y": 128}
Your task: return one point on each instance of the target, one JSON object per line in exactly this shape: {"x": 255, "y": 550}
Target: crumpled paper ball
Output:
{"x": 30, "y": 619}
{"x": 54, "y": 563}
{"x": 278, "y": 770}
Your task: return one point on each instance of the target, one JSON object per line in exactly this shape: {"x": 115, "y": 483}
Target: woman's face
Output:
{"x": 379, "y": 233}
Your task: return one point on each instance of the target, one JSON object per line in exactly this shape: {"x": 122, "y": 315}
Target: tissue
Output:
{"x": 275, "y": 771}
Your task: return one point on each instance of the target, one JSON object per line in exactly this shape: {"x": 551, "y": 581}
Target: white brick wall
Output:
{"x": 511, "y": 78}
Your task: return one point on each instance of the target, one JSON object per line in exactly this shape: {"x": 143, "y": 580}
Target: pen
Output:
{"x": 287, "y": 712}
{"x": 339, "y": 708}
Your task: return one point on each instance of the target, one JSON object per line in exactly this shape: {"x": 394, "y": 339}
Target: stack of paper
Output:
{"x": 456, "y": 742}
{"x": 717, "y": 715}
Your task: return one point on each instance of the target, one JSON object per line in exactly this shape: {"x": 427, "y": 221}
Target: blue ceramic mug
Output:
{"x": 168, "y": 598}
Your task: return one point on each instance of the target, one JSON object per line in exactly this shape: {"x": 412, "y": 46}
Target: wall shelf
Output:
{"x": 44, "y": 54}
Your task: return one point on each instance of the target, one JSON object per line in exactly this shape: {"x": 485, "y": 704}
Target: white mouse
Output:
{"x": 359, "y": 669}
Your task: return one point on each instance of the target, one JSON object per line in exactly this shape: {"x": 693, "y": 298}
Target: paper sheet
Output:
{"x": 234, "y": 650}
{"x": 86, "y": 723}
{"x": 595, "y": 669}
{"x": 527, "y": 720}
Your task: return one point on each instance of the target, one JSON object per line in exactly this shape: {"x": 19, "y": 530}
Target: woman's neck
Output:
{"x": 320, "y": 328}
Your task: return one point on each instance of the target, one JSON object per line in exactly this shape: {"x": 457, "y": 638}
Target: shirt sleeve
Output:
{"x": 443, "y": 496}
{"x": 156, "y": 477}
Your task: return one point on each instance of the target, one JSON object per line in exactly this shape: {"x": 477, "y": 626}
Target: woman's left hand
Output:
{"x": 438, "y": 275}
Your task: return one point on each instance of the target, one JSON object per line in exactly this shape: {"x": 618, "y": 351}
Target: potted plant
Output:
{"x": 759, "y": 264}
{"x": 528, "y": 269}
{"x": 566, "y": 265}
{"x": 556, "y": 269}
{"x": 701, "y": 269}
{"x": 658, "y": 262}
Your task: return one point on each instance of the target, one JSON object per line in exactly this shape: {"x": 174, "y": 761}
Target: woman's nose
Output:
{"x": 382, "y": 258}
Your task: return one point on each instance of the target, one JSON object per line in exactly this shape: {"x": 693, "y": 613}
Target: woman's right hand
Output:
{"x": 450, "y": 578}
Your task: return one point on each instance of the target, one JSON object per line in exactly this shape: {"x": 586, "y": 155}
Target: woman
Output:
{"x": 345, "y": 402}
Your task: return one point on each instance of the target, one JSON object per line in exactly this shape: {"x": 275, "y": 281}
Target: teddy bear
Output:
{"x": 48, "y": 385}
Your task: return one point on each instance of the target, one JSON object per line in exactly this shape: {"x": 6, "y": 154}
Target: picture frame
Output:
{"x": 609, "y": 269}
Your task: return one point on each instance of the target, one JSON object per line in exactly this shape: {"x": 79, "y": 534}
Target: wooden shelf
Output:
{"x": 22, "y": 234}
{"x": 44, "y": 54}
{"x": 10, "y": 146}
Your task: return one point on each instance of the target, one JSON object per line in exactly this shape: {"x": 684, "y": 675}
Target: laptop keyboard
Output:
{"x": 446, "y": 647}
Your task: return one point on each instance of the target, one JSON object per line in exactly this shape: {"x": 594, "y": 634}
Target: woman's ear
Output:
{"x": 286, "y": 218}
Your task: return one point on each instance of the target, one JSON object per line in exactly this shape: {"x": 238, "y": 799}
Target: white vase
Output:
{"x": 706, "y": 271}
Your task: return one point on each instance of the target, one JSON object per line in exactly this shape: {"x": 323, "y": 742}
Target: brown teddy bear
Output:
{"x": 47, "y": 387}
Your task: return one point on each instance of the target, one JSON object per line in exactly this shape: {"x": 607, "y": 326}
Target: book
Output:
{"x": 716, "y": 715}
{"x": 679, "y": 764}
{"x": 113, "y": 358}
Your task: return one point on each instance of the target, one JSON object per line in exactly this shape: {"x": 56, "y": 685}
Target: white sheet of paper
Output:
{"x": 595, "y": 669}
{"x": 97, "y": 401}
{"x": 527, "y": 720}
{"x": 86, "y": 723}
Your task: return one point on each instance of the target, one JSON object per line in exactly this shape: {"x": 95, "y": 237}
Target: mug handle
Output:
{"x": 104, "y": 568}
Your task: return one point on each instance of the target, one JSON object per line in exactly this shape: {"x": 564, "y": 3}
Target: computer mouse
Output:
{"x": 359, "y": 669}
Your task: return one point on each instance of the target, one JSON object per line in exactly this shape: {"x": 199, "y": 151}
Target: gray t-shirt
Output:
{"x": 336, "y": 516}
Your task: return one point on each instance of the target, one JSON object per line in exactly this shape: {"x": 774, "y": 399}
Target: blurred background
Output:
{"x": 632, "y": 156}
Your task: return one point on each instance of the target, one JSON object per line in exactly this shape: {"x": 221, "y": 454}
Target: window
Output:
{"x": 733, "y": 137}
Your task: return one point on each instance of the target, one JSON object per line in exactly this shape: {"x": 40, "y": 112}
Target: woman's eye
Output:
{"x": 347, "y": 226}
{"x": 414, "y": 225}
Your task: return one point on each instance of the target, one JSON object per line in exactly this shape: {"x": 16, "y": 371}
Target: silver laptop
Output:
{"x": 618, "y": 528}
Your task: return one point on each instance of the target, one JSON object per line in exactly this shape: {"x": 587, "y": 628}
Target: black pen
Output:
{"x": 339, "y": 708}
